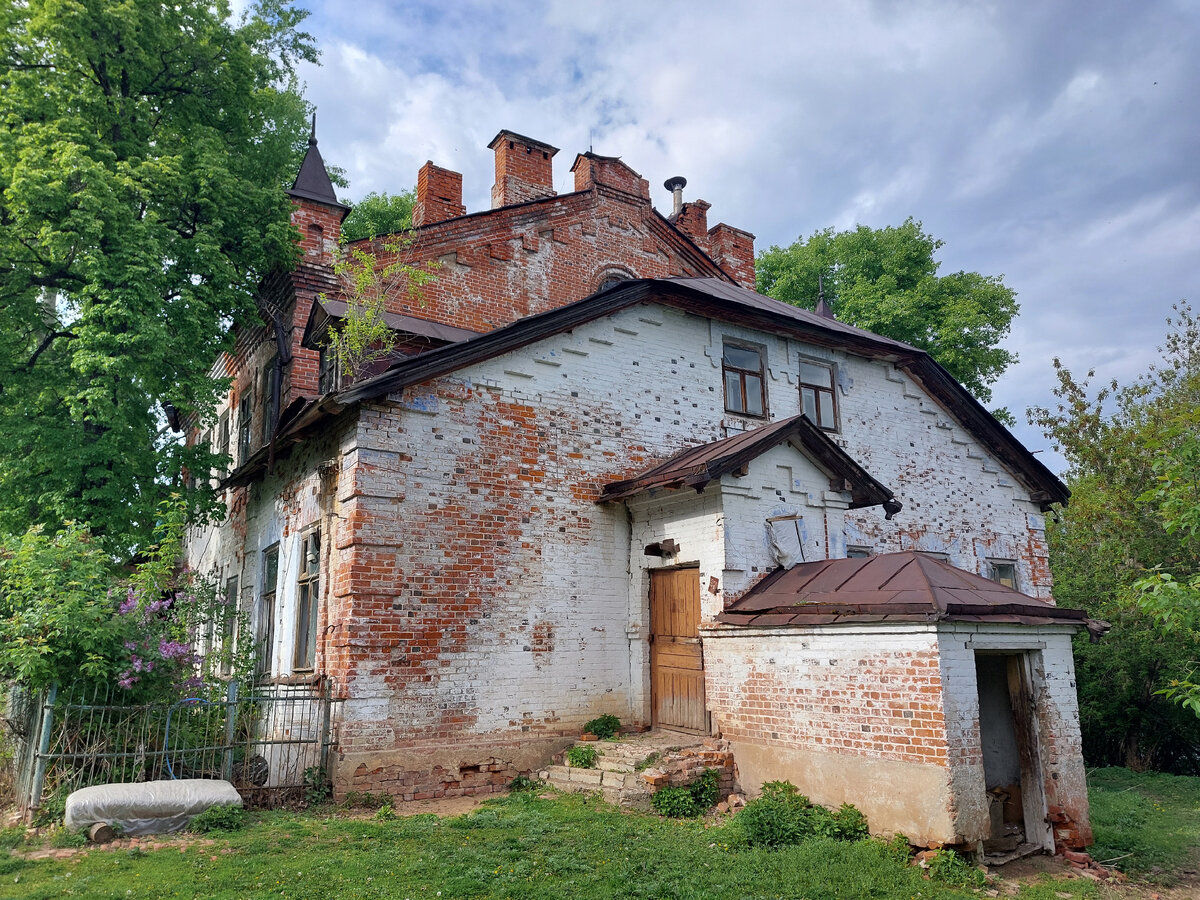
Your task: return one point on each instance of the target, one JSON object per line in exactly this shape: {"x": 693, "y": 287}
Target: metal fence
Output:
{"x": 271, "y": 741}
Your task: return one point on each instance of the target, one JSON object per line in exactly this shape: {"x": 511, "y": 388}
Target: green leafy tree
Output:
{"x": 379, "y": 214}
{"x": 1126, "y": 550}
{"x": 68, "y": 614}
{"x": 142, "y": 152}
{"x": 369, "y": 276}
{"x": 885, "y": 280}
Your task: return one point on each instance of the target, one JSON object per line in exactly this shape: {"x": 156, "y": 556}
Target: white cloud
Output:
{"x": 1034, "y": 141}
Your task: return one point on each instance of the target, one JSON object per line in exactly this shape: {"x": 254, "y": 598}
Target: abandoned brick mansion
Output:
{"x": 597, "y": 473}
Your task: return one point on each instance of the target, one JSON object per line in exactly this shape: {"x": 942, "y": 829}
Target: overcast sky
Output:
{"x": 1056, "y": 144}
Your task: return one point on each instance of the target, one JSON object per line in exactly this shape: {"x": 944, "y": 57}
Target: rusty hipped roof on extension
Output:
{"x": 697, "y": 466}
{"x": 894, "y": 587}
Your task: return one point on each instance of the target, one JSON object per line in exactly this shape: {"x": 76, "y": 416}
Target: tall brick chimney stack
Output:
{"x": 523, "y": 169}
{"x": 439, "y": 195}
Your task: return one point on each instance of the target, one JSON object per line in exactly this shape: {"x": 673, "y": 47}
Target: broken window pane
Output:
{"x": 1003, "y": 572}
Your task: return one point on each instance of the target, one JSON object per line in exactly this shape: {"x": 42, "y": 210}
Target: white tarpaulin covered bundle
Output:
{"x": 148, "y": 807}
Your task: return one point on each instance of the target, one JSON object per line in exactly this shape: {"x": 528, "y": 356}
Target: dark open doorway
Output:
{"x": 1011, "y": 758}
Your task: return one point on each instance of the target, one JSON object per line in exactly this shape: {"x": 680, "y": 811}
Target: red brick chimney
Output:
{"x": 733, "y": 250}
{"x": 523, "y": 169}
{"x": 439, "y": 195}
{"x": 591, "y": 169}
{"x": 693, "y": 221}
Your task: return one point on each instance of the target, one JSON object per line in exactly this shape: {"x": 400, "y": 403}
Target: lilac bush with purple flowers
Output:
{"x": 68, "y": 612}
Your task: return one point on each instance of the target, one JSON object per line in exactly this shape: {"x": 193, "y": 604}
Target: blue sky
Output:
{"x": 1054, "y": 143}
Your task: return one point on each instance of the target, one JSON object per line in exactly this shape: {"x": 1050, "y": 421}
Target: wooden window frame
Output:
{"x": 266, "y": 612}
{"x": 270, "y": 412}
{"x": 223, "y": 434}
{"x": 740, "y": 373}
{"x": 229, "y": 620}
{"x": 329, "y": 371}
{"x": 858, "y": 551}
{"x": 994, "y": 573}
{"x": 818, "y": 391}
{"x": 245, "y": 435}
{"x": 308, "y": 593}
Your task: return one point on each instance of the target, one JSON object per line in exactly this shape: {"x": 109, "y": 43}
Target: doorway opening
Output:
{"x": 1008, "y": 732}
{"x": 676, "y": 654}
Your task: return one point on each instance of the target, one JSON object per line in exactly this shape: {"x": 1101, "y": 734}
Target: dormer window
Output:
{"x": 745, "y": 387}
{"x": 329, "y": 374}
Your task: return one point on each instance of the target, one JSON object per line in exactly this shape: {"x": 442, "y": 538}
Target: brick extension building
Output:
{"x": 599, "y": 474}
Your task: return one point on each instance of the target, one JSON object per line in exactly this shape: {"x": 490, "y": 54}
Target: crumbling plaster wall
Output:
{"x": 276, "y": 511}
{"x": 476, "y": 594}
{"x": 1056, "y": 708}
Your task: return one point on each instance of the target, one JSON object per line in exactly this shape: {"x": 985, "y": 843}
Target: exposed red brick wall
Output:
{"x": 439, "y": 195}
{"x": 500, "y": 266}
{"x": 591, "y": 170}
{"x": 693, "y": 221}
{"x": 524, "y": 169}
{"x": 856, "y": 701}
{"x": 733, "y": 250}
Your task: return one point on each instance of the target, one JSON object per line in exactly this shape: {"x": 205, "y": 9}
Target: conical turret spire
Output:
{"x": 823, "y": 309}
{"x": 312, "y": 182}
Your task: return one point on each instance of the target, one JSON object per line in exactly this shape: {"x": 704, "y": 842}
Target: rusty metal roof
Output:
{"x": 697, "y": 466}
{"x": 324, "y": 311}
{"x": 894, "y": 587}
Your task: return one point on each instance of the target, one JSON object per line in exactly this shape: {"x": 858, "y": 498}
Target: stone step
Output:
{"x": 626, "y": 789}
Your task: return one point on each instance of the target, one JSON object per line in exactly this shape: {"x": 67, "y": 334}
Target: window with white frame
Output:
{"x": 304, "y": 651}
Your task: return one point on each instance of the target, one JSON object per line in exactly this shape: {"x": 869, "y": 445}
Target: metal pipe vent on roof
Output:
{"x": 675, "y": 184}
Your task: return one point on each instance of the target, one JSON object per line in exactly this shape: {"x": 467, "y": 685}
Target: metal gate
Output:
{"x": 271, "y": 741}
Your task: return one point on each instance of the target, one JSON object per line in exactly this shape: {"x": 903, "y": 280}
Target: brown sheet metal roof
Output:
{"x": 894, "y": 587}
{"x": 324, "y": 311}
{"x": 697, "y": 466}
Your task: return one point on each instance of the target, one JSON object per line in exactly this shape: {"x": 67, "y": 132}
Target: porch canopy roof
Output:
{"x": 697, "y": 466}
{"x": 893, "y": 587}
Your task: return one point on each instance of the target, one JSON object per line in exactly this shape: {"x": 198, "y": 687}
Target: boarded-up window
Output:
{"x": 816, "y": 394}
{"x": 745, "y": 388}
{"x": 786, "y": 536}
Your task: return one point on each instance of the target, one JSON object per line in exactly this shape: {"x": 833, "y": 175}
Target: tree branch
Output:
{"x": 45, "y": 345}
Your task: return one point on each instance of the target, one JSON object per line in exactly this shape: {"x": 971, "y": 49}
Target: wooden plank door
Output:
{"x": 676, "y": 656}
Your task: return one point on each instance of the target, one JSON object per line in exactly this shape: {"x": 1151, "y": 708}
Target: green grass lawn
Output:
{"x": 1147, "y": 823}
{"x": 575, "y": 846}
{"x": 517, "y": 846}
